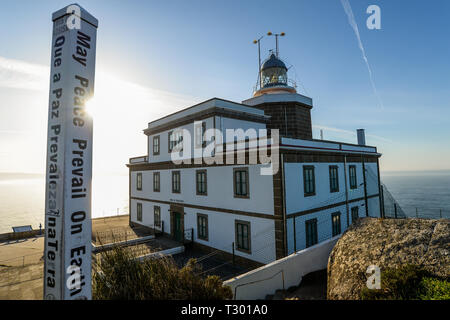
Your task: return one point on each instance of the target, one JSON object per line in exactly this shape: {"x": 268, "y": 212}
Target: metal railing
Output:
{"x": 115, "y": 235}
{"x": 392, "y": 209}
{"x": 188, "y": 235}
{"x": 257, "y": 281}
{"x": 23, "y": 261}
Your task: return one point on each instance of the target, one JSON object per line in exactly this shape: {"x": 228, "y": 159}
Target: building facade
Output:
{"x": 316, "y": 188}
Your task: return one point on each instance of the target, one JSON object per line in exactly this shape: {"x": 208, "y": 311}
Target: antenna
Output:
{"x": 282, "y": 34}
{"x": 259, "y": 59}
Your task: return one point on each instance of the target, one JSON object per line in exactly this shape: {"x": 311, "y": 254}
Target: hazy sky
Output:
{"x": 156, "y": 57}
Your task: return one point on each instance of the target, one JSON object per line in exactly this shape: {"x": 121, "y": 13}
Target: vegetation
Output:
{"x": 121, "y": 276}
{"x": 409, "y": 282}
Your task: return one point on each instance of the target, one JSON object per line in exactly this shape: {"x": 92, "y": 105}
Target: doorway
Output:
{"x": 177, "y": 222}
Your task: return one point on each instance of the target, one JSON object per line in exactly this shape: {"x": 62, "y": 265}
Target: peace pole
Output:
{"x": 67, "y": 253}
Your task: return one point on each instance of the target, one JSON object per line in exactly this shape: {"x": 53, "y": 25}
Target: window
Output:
{"x": 156, "y": 145}
{"x": 334, "y": 180}
{"x": 176, "y": 182}
{"x": 336, "y": 223}
{"x": 309, "y": 183}
{"x": 311, "y": 232}
{"x": 201, "y": 182}
{"x": 200, "y": 128}
{"x": 241, "y": 187}
{"x": 156, "y": 182}
{"x": 157, "y": 216}
{"x": 176, "y": 140}
{"x": 202, "y": 226}
{"x": 355, "y": 213}
{"x": 139, "y": 181}
{"x": 139, "y": 212}
{"x": 243, "y": 236}
{"x": 352, "y": 174}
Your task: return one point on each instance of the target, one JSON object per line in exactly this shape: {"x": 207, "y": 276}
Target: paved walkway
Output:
{"x": 22, "y": 283}
{"x": 21, "y": 252}
{"x": 21, "y": 261}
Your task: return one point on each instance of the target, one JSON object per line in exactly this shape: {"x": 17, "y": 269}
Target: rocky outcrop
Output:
{"x": 387, "y": 243}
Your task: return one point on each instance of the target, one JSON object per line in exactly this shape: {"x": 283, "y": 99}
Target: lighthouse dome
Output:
{"x": 273, "y": 62}
{"x": 273, "y": 72}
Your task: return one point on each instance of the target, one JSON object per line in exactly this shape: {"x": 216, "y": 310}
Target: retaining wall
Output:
{"x": 282, "y": 273}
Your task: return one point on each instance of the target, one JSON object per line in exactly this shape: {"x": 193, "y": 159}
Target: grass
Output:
{"x": 119, "y": 275}
{"x": 409, "y": 282}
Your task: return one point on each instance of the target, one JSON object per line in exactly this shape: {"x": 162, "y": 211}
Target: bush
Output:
{"x": 409, "y": 282}
{"x": 120, "y": 275}
{"x": 435, "y": 289}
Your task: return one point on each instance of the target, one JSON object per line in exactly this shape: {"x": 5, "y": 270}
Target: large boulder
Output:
{"x": 386, "y": 243}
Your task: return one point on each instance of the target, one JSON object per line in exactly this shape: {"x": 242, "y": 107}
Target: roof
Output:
{"x": 214, "y": 104}
{"x": 273, "y": 62}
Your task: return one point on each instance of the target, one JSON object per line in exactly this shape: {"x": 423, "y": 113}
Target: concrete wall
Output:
{"x": 221, "y": 229}
{"x": 324, "y": 225}
{"x": 265, "y": 280}
{"x": 221, "y": 123}
{"x": 295, "y": 199}
{"x": 20, "y": 235}
{"x": 224, "y": 123}
{"x": 164, "y": 154}
{"x": 220, "y": 192}
{"x": 297, "y": 202}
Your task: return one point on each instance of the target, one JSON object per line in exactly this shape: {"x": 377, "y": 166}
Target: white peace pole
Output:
{"x": 67, "y": 269}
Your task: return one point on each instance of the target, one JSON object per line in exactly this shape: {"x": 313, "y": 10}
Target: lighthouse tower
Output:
{"x": 290, "y": 112}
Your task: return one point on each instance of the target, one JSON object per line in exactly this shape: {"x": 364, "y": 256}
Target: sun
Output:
{"x": 91, "y": 107}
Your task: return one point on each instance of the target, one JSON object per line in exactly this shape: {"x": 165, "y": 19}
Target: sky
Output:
{"x": 158, "y": 57}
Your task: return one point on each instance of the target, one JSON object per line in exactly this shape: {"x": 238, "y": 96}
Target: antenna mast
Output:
{"x": 282, "y": 34}
{"x": 259, "y": 59}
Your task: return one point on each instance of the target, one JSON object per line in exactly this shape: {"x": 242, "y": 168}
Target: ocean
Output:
{"x": 425, "y": 193}
{"x": 22, "y": 196}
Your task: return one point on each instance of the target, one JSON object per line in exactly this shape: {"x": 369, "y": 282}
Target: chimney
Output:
{"x": 361, "y": 137}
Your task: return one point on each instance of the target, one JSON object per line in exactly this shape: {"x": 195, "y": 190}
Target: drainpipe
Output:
{"x": 365, "y": 186}
{"x": 284, "y": 203}
{"x": 346, "y": 188}
{"x": 380, "y": 191}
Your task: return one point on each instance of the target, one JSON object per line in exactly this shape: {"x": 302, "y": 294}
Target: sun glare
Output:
{"x": 91, "y": 107}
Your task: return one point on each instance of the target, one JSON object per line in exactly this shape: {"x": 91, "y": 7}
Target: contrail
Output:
{"x": 348, "y": 132}
{"x": 351, "y": 20}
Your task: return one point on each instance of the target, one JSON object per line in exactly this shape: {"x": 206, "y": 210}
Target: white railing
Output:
{"x": 135, "y": 160}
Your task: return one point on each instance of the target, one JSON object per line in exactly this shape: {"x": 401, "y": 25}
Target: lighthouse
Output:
{"x": 231, "y": 208}
{"x": 289, "y": 111}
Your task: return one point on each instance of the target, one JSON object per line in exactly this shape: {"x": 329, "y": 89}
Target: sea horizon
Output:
{"x": 422, "y": 192}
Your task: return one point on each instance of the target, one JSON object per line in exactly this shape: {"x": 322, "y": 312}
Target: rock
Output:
{"x": 386, "y": 243}
{"x": 279, "y": 295}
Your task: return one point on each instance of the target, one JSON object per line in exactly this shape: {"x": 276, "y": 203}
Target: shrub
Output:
{"x": 410, "y": 282}
{"x": 435, "y": 289}
{"x": 119, "y": 275}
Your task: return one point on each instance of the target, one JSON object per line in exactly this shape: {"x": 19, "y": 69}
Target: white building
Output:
{"x": 319, "y": 189}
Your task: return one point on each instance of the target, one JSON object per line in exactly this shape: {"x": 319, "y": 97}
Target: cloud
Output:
{"x": 351, "y": 20}
{"x": 19, "y": 74}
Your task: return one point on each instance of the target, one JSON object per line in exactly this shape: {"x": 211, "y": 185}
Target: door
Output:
{"x": 178, "y": 232}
